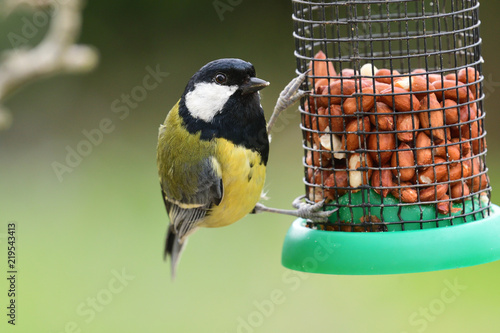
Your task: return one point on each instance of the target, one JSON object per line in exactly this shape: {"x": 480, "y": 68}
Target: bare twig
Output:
{"x": 56, "y": 53}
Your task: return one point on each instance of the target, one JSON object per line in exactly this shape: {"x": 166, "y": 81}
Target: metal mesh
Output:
{"x": 393, "y": 128}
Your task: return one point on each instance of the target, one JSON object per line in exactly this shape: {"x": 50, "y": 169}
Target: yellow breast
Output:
{"x": 243, "y": 177}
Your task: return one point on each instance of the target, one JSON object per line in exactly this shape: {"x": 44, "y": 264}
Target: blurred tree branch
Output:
{"x": 56, "y": 53}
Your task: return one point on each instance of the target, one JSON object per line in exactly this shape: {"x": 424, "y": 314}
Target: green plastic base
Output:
{"x": 352, "y": 210}
{"x": 392, "y": 252}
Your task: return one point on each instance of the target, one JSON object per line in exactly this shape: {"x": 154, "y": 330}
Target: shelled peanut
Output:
{"x": 393, "y": 131}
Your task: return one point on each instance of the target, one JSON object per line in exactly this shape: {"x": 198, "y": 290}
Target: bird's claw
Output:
{"x": 291, "y": 93}
{"x": 311, "y": 211}
{"x": 288, "y": 96}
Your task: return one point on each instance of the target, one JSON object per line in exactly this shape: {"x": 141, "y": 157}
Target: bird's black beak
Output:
{"x": 253, "y": 85}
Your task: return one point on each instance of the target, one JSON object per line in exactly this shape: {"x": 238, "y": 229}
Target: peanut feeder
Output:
{"x": 393, "y": 136}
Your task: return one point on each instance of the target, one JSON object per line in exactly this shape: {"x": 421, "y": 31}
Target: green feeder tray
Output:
{"x": 392, "y": 252}
{"x": 352, "y": 208}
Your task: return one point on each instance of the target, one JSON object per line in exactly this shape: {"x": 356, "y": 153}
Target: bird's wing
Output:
{"x": 189, "y": 192}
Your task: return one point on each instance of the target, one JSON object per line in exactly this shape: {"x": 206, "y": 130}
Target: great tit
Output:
{"x": 213, "y": 149}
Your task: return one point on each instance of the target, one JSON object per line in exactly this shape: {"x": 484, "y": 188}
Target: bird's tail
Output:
{"x": 173, "y": 248}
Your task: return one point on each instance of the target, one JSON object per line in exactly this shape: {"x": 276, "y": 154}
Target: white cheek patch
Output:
{"x": 208, "y": 99}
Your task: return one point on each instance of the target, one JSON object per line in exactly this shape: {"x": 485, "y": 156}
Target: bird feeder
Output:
{"x": 394, "y": 138}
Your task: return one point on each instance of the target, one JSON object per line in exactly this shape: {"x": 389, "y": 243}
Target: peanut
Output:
{"x": 480, "y": 180}
{"x": 459, "y": 170}
{"x": 469, "y": 75}
{"x": 356, "y": 130}
{"x": 448, "y": 152}
{"x": 381, "y": 146}
{"x": 433, "y": 77}
{"x": 380, "y": 86}
{"x": 458, "y": 93}
{"x": 434, "y": 192}
{"x": 435, "y": 173}
{"x": 472, "y": 131}
{"x": 451, "y": 111}
{"x": 337, "y": 120}
{"x": 419, "y": 71}
{"x": 368, "y": 70}
{"x": 423, "y": 152}
{"x": 320, "y": 67}
{"x": 404, "y": 163}
{"x": 459, "y": 190}
{"x": 357, "y": 177}
{"x": 310, "y": 175}
{"x": 341, "y": 89}
{"x": 348, "y": 72}
{"x": 332, "y": 142}
{"x": 320, "y": 159}
{"x": 399, "y": 98}
{"x": 320, "y": 176}
{"x": 464, "y": 146}
{"x": 337, "y": 181}
{"x": 416, "y": 84}
{"x": 444, "y": 206}
{"x": 359, "y": 103}
{"x": 309, "y": 159}
{"x": 382, "y": 178}
{"x": 320, "y": 85}
{"x": 385, "y": 72}
{"x": 431, "y": 116}
{"x": 315, "y": 193}
{"x": 315, "y": 101}
{"x": 405, "y": 193}
{"x": 381, "y": 119}
{"x": 451, "y": 77}
{"x": 322, "y": 121}
{"x": 406, "y": 125}
{"x": 468, "y": 112}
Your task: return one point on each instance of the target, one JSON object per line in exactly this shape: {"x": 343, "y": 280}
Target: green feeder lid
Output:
{"x": 392, "y": 252}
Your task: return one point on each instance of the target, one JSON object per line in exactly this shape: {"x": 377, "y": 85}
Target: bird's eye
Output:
{"x": 220, "y": 78}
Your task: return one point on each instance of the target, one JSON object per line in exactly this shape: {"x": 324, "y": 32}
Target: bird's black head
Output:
{"x": 214, "y": 84}
{"x": 222, "y": 100}
{"x": 230, "y": 73}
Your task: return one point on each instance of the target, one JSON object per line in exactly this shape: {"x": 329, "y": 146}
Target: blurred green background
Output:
{"x": 106, "y": 217}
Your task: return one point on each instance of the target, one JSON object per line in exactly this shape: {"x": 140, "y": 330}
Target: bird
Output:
{"x": 213, "y": 149}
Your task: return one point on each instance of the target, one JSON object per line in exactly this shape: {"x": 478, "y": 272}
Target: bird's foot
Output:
{"x": 291, "y": 93}
{"x": 288, "y": 96}
{"x": 303, "y": 210}
{"x": 311, "y": 211}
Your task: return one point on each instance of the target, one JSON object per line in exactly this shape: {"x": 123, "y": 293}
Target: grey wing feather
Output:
{"x": 184, "y": 220}
{"x": 209, "y": 192}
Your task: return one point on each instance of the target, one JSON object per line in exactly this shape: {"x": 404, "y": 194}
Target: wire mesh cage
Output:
{"x": 393, "y": 128}
{"x": 394, "y": 138}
